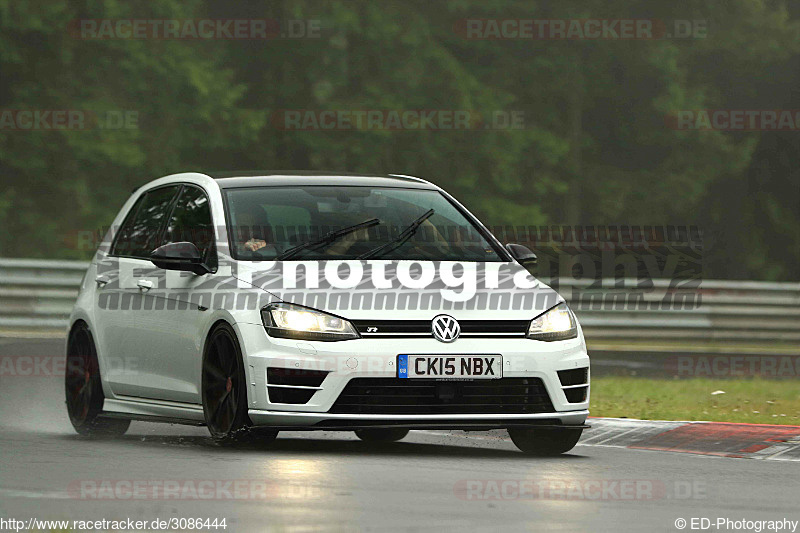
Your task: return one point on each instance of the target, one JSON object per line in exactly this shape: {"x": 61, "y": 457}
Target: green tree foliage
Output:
{"x": 595, "y": 146}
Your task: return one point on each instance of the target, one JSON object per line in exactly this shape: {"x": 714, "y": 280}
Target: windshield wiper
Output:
{"x": 400, "y": 240}
{"x": 326, "y": 239}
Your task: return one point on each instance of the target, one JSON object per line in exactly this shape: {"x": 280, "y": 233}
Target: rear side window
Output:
{"x": 191, "y": 222}
{"x": 141, "y": 230}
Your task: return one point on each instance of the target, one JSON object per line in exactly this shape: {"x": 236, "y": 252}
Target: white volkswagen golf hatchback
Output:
{"x": 254, "y": 302}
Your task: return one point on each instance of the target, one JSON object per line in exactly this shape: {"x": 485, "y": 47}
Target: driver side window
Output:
{"x": 191, "y": 222}
{"x": 139, "y": 234}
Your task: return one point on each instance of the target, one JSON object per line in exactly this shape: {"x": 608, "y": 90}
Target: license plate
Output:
{"x": 450, "y": 366}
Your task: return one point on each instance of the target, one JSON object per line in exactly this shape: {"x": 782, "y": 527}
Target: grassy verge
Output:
{"x": 753, "y": 401}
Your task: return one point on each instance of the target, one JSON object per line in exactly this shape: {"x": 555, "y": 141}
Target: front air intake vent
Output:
{"x": 295, "y": 376}
{"x": 576, "y": 395}
{"x": 290, "y": 395}
{"x": 576, "y": 376}
{"x": 293, "y": 385}
{"x": 575, "y": 384}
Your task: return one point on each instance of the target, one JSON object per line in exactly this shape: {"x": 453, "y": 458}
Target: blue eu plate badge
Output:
{"x": 402, "y": 366}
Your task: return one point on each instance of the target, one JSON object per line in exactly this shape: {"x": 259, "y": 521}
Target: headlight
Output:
{"x": 557, "y": 324}
{"x": 290, "y": 321}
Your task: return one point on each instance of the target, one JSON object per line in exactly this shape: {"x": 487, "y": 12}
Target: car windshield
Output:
{"x": 350, "y": 222}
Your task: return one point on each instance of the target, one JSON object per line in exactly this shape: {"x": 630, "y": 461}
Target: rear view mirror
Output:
{"x": 182, "y": 256}
{"x": 524, "y": 256}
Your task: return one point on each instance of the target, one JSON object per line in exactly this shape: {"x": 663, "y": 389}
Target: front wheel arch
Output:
{"x": 220, "y": 383}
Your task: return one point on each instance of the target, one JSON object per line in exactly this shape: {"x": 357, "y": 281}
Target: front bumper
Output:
{"x": 523, "y": 358}
{"x": 295, "y": 421}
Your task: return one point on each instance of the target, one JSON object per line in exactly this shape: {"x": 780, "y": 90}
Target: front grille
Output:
{"x": 398, "y": 396}
{"x": 422, "y": 328}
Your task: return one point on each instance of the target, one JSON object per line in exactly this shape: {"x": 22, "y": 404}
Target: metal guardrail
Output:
{"x": 37, "y": 296}
{"x": 711, "y": 316}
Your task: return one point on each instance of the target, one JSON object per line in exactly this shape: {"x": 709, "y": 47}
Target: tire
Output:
{"x": 224, "y": 390}
{"x": 545, "y": 442}
{"x": 83, "y": 388}
{"x": 381, "y": 434}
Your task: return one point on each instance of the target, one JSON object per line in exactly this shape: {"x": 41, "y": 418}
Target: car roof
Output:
{"x": 272, "y": 178}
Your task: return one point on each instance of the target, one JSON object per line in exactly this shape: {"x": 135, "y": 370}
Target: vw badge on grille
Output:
{"x": 445, "y": 328}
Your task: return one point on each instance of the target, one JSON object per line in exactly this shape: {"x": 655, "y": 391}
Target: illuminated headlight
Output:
{"x": 557, "y": 324}
{"x": 290, "y": 321}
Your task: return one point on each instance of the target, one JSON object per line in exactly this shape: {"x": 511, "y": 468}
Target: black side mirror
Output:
{"x": 524, "y": 256}
{"x": 182, "y": 256}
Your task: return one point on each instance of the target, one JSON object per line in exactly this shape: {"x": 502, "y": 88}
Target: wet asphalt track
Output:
{"x": 332, "y": 481}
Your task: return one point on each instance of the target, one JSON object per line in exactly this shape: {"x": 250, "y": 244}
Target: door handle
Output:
{"x": 102, "y": 280}
{"x": 144, "y": 285}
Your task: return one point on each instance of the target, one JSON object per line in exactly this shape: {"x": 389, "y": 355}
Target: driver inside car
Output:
{"x": 252, "y": 231}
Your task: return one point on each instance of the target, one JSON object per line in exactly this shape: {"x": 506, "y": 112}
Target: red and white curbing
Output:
{"x": 723, "y": 439}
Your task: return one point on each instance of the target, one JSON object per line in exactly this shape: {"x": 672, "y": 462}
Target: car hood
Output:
{"x": 403, "y": 290}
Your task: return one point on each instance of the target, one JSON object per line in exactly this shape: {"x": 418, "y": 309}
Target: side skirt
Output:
{"x": 148, "y": 410}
